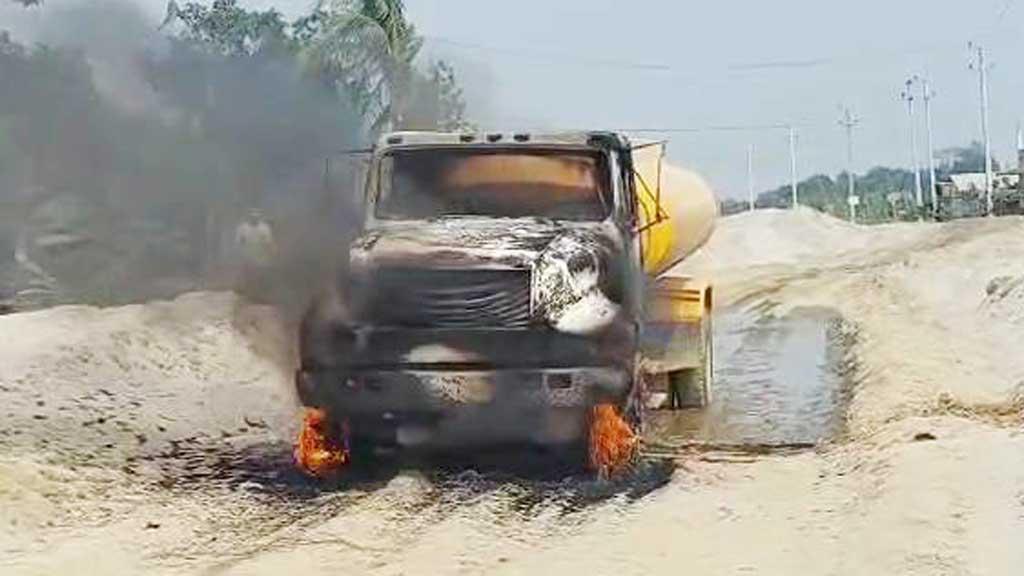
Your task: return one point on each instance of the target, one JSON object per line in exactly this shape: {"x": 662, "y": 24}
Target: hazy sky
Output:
{"x": 685, "y": 64}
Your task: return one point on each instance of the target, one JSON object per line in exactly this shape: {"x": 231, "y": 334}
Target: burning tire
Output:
{"x": 322, "y": 449}
{"x": 612, "y": 443}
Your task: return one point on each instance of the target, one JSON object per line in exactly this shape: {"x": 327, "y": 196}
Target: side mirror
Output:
{"x": 654, "y": 199}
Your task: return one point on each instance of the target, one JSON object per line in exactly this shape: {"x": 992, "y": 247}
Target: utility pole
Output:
{"x": 750, "y": 176}
{"x": 982, "y": 68}
{"x": 792, "y": 166}
{"x": 928, "y": 95}
{"x": 1020, "y": 160}
{"x": 849, "y": 122}
{"x": 908, "y": 96}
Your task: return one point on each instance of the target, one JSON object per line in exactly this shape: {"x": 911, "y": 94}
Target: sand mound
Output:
{"x": 772, "y": 237}
{"x": 1005, "y": 298}
{"x": 806, "y": 241}
{"x": 128, "y": 380}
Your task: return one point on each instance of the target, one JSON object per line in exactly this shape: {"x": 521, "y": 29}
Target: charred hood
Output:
{"x": 461, "y": 272}
{"x": 469, "y": 242}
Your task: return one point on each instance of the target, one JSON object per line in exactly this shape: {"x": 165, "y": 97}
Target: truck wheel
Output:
{"x": 691, "y": 387}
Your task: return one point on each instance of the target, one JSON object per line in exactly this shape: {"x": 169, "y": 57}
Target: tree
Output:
{"x": 248, "y": 110}
{"x": 237, "y": 76}
{"x": 436, "y": 101}
{"x": 370, "y": 48}
{"x": 365, "y": 50}
{"x": 227, "y": 28}
{"x": 829, "y": 195}
{"x": 53, "y": 114}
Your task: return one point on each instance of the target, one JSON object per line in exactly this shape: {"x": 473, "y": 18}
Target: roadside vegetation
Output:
{"x": 877, "y": 188}
{"x": 124, "y": 168}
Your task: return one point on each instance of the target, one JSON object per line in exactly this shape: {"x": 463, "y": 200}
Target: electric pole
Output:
{"x": 928, "y": 95}
{"x": 750, "y": 176}
{"x": 792, "y": 166}
{"x": 849, "y": 122}
{"x": 908, "y": 96}
{"x": 982, "y": 68}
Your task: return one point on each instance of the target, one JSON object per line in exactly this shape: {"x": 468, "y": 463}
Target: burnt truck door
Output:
{"x": 627, "y": 220}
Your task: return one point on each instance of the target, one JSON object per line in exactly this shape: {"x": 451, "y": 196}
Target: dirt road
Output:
{"x": 156, "y": 438}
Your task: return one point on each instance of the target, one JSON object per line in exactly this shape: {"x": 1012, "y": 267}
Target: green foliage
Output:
{"x": 829, "y": 195}
{"x": 266, "y": 119}
{"x": 436, "y": 101}
{"x": 226, "y": 27}
{"x": 365, "y": 50}
{"x": 369, "y": 48}
{"x": 51, "y": 109}
{"x": 451, "y": 101}
{"x": 249, "y": 105}
{"x": 884, "y": 192}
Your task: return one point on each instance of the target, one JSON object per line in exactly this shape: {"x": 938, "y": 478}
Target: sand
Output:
{"x": 186, "y": 473}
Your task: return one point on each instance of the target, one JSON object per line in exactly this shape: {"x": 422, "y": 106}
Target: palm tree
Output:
{"x": 369, "y": 47}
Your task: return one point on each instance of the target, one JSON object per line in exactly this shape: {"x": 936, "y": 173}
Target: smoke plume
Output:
{"x": 130, "y": 156}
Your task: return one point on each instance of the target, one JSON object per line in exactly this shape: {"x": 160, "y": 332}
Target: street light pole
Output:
{"x": 928, "y": 95}
{"x": 849, "y": 121}
{"x": 750, "y": 177}
{"x": 792, "y": 166}
{"x": 908, "y": 96}
{"x": 982, "y": 69}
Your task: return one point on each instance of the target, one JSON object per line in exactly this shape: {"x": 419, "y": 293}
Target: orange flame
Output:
{"x": 613, "y": 444}
{"x": 320, "y": 452}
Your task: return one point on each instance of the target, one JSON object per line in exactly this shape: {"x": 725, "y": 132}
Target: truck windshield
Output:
{"x": 561, "y": 185}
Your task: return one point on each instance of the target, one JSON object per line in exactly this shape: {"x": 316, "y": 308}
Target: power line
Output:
{"x": 718, "y": 128}
{"x": 781, "y": 64}
{"x": 554, "y": 57}
{"x": 549, "y": 56}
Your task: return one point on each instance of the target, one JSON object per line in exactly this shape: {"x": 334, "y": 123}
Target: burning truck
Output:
{"x": 510, "y": 288}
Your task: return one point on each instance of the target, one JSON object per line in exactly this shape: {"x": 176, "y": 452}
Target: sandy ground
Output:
{"x": 155, "y": 439}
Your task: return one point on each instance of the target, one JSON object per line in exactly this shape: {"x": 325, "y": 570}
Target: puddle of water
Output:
{"x": 778, "y": 380}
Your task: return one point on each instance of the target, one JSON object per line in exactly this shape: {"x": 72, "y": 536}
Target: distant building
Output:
{"x": 963, "y": 195}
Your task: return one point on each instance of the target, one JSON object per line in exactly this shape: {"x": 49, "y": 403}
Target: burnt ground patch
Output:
{"x": 530, "y": 477}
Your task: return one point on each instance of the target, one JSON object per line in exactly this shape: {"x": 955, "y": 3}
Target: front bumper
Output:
{"x": 500, "y": 349}
{"x": 397, "y": 390}
{"x": 459, "y": 407}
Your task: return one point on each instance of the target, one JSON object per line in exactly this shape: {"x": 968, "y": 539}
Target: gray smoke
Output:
{"x": 129, "y": 159}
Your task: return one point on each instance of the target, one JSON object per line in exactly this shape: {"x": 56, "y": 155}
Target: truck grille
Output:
{"x": 425, "y": 298}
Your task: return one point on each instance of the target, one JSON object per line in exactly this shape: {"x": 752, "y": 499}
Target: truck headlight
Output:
{"x": 568, "y": 288}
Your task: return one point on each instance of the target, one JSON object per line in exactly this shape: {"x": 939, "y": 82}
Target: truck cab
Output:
{"x": 496, "y": 292}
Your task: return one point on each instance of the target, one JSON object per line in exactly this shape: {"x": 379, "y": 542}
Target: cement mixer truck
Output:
{"x": 505, "y": 284}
